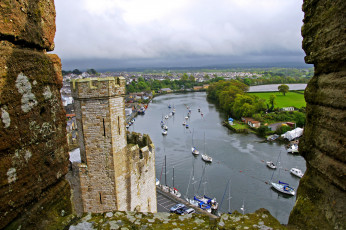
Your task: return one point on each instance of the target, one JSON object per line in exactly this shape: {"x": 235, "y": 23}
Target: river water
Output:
{"x": 238, "y": 157}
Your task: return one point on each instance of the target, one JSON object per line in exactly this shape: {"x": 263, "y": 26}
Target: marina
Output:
{"x": 241, "y": 157}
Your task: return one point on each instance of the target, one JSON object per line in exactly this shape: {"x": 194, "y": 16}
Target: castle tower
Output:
{"x": 107, "y": 173}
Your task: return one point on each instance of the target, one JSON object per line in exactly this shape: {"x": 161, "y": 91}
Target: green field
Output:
{"x": 292, "y": 98}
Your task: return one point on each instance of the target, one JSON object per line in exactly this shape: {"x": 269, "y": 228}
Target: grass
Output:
{"x": 292, "y": 98}
{"x": 238, "y": 125}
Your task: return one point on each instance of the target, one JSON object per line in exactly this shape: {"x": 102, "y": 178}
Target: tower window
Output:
{"x": 104, "y": 128}
{"x": 100, "y": 197}
{"x": 119, "y": 125}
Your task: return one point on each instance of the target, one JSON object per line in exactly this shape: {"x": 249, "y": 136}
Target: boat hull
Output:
{"x": 283, "y": 189}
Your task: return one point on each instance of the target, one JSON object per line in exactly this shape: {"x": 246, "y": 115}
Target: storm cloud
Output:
{"x": 156, "y": 32}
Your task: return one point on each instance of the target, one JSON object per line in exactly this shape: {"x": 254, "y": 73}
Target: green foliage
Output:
{"x": 76, "y": 71}
{"x": 262, "y": 130}
{"x": 293, "y": 116}
{"x": 283, "y": 89}
{"x": 283, "y": 129}
{"x": 294, "y": 98}
{"x": 231, "y": 97}
{"x": 91, "y": 71}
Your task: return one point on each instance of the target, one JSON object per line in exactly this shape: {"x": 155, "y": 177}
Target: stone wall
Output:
{"x": 142, "y": 173}
{"x": 321, "y": 194}
{"x": 33, "y": 148}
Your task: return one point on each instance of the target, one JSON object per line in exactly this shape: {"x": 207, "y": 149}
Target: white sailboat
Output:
{"x": 166, "y": 188}
{"x": 192, "y": 178}
{"x": 209, "y": 204}
{"x": 243, "y": 208}
{"x": 194, "y": 150}
{"x": 282, "y": 186}
{"x": 205, "y": 157}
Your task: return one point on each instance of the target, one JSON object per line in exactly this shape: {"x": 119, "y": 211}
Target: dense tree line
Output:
{"x": 232, "y": 98}
{"x": 185, "y": 82}
{"x": 269, "y": 79}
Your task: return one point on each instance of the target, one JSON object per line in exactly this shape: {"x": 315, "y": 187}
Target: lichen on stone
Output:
{"x": 27, "y": 155}
{"x": 24, "y": 87}
{"x": 47, "y": 93}
{"x": 11, "y": 175}
{"x": 5, "y": 116}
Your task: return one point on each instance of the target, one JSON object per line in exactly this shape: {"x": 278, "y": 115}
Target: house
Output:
{"x": 205, "y": 86}
{"x": 196, "y": 88}
{"x": 246, "y": 119}
{"x": 291, "y": 124}
{"x": 165, "y": 90}
{"x": 288, "y": 109}
{"x": 254, "y": 124}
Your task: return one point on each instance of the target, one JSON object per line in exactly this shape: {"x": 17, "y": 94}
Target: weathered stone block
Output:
{"x": 321, "y": 194}
{"x": 33, "y": 148}
{"x": 28, "y": 23}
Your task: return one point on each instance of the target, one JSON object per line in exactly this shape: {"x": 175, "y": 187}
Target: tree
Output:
{"x": 185, "y": 77}
{"x": 206, "y": 77}
{"x": 191, "y": 78}
{"x": 91, "y": 71}
{"x": 247, "y": 81}
{"x": 283, "y": 89}
{"x": 272, "y": 102}
{"x": 76, "y": 71}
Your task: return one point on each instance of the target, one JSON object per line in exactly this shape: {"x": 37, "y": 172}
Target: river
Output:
{"x": 239, "y": 157}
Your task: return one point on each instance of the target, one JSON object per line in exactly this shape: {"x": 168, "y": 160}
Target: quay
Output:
{"x": 166, "y": 200}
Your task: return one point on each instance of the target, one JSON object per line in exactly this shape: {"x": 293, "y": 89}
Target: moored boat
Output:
{"x": 194, "y": 151}
{"x": 293, "y": 149}
{"x": 297, "y": 172}
{"x": 207, "y": 158}
{"x": 271, "y": 165}
{"x": 283, "y": 188}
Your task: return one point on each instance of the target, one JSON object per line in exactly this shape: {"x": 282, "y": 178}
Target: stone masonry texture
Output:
{"x": 33, "y": 148}
{"x": 28, "y": 23}
{"x": 321, "y": 194}
{"x": 112, "y": 175}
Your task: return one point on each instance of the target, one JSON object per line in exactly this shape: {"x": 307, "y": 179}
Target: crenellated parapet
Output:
{"x": 98, "y": 87}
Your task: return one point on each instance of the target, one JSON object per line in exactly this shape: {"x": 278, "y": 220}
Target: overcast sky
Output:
{"x": 158, "y": 33}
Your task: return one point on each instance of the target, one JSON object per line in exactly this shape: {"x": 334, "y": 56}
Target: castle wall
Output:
{"x": 33, "y": 148}
{"x": 321, "y": 194}
{"x": 143, "y": 182}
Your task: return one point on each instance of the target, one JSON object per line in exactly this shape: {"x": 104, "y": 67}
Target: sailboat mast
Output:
{"x": 173, "y": 177}
{"x": 229, "y": 196}
{"x": 165, "y": 172}
{"x": 193, "y": 176}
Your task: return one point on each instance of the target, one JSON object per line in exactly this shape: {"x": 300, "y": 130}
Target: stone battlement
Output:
{"x": 139, "y": 139}
{"x": 98, "y": 87}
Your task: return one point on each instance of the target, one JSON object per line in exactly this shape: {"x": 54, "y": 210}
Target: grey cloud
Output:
{"x": 204, "y": 28}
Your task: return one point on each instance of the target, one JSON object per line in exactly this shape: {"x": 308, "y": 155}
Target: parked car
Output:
{"x": 189, "y": 211}
{"x": 176, "y": 207}
{"x": 181, "y": 211}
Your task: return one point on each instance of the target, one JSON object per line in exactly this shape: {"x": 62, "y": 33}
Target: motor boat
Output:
{"x": 297, "y": 172}
{"x": 271, "y": 165}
